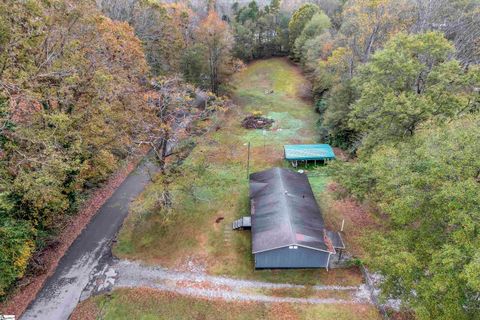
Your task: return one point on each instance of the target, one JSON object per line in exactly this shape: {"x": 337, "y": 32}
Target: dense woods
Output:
{"x": 427, "y": 190}
{"x": 259, "y": 32}
{"x": 71, "y": 100}
{"x": 396, "y": 84}
{"x": 76, "y": 101}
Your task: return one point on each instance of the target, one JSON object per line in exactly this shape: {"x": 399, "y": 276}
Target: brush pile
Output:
{"x": 257, "y": 122}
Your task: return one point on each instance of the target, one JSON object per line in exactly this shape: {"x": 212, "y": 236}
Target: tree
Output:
{"x": 334, "y": 89}
{"x": 367, "y": 24}
{"x": 71, "y": 100}
{"x": 333, "y": 57}
{"x": 193, "y": 66}
{"x": 215, "y": 35}
{"x": 166, "y": 30}
{"x": 249, "y": 12}
{"x": 407, "y": 83}
{"x": 244, "y": 47}
{"x": 427, "y": 190}
{"x": 318, "y": 24}
{"x": 334, "y": 124}
{"x": 259, "y": 32}
{"x": 317, "y": 49}
{"x": 333, "y": 9}
{"x": 299, "y": 19}
{"x": 15, "y": 250}
{"x": 458, "y": 19}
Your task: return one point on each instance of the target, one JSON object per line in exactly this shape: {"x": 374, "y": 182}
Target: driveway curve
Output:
{"x": 89, "y": 253}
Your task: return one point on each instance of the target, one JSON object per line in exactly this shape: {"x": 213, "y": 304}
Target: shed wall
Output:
{"x": 291, "y": 258}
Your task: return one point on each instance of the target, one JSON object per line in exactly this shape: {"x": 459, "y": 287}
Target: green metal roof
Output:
{"x": 308, "y": 152}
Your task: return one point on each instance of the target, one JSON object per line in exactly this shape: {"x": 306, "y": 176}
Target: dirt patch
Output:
{"x": 202, "y": 285}
{"x": 357, "y": 214}
{"x": 310, "y": 292}
{"x": 402, "y": 315}
{"x": 219, "y": 222}
{"x": 31, "y": 285}
{"x": 86, "y": 310}
{"x": 196, "y": 264}
{"x": 305, "y": 92}
{"x": 283, "y": 311}
{"x": 359, "y": 219}
{"x": 341, "y": 154}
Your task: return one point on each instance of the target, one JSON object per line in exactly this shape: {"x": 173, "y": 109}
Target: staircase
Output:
{"x": 242, "y": 223}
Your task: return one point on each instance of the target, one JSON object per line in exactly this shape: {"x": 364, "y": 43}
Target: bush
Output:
{"x": 16, "y": 247}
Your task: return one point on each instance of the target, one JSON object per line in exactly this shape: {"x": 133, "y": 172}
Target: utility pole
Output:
{"x": 248, "y": 161}
{"x": 264, "y": 138}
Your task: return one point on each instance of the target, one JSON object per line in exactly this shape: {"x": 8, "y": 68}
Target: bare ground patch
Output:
{"x": 358, "y": 219}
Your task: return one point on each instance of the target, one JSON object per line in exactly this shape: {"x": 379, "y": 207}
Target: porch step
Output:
{"x": 242, "y": 223}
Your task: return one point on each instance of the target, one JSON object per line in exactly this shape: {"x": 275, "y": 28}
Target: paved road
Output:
{"x": 89, "y": 253}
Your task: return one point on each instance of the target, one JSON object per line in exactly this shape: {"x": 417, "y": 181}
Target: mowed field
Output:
{"x": 208, "y": 190}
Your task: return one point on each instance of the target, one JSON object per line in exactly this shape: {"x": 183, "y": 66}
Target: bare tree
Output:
{"x": 459, "y": 20}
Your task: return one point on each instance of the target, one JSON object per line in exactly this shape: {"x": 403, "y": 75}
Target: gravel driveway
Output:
{"x": 129, "y": 274}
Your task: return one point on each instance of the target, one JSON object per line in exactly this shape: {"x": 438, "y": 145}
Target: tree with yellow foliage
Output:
{"x": 71, "y": 85}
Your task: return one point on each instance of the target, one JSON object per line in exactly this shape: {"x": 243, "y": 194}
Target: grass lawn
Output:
{"x": 145, "y": 304}
{"x": 303, "y": 292}
{"x": 210, "y": 188}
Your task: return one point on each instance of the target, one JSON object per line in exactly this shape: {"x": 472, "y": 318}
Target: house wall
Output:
{"x": 291, "y": 258}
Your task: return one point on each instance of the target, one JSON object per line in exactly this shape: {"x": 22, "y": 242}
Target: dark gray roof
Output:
{"x": 284, "y": 212}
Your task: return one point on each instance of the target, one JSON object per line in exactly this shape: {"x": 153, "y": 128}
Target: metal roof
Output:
{"x": 308, "y": 152}
{"x": 284, "y": 212}
{"x": 336, "y": 238}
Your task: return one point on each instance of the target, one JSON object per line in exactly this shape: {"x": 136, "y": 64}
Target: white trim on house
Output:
{"x": 328, "y": 260}
{"x": 295, "y": 244}
{"x": 300, "y": 245}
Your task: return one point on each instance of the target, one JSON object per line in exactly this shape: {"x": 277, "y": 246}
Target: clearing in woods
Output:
{"x": 209, "y": 189}
{"x": 212, "y": 183}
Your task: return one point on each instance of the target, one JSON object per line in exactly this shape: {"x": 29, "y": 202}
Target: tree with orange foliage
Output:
{"x": 215, "y": 35}
{"x": 71, "y": 98}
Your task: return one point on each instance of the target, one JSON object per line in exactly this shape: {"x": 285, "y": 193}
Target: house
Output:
{"x": 287, "y": 226}
{"x": 308, "y": 152}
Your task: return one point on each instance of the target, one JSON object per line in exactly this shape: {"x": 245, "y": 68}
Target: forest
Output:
{"x": 86, "y": 86}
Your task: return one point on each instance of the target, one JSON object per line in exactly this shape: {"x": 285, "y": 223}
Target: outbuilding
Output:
{"x": 308, "y": 152}
{"x": 287, "y": 226}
